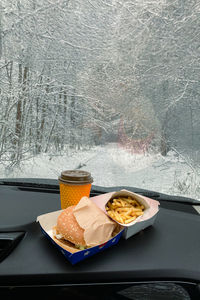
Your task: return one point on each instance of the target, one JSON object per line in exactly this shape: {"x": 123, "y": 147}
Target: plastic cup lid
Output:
{"x": 76, "y": 177}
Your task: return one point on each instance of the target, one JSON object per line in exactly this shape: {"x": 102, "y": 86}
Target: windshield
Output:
{"x": 111, "y": 87}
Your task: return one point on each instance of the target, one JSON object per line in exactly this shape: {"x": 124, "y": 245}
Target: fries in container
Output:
{"x": 124, "y": 209}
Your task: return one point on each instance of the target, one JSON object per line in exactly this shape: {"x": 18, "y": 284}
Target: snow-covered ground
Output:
{"x": 113, "y": 166}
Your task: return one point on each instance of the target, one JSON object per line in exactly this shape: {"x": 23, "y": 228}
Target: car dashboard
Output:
{"x": 163, "y": 259}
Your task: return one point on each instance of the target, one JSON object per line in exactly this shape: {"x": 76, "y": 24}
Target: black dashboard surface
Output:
{"x": 168, "y": 250}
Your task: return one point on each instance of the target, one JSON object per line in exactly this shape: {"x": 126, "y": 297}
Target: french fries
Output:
{"x": 124, "y": 209}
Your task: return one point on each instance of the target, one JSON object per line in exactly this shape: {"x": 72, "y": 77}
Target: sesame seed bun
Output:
{"x": 69, "y": 228}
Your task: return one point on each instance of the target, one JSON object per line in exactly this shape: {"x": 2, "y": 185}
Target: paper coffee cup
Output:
{"x": 74, "y": 184}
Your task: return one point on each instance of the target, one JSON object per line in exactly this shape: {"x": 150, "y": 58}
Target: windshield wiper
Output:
{"x": 52, "y": 186}
{"x": 148, "y": 193}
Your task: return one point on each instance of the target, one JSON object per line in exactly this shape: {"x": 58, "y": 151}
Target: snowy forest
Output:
{"x": 77, "y": 74}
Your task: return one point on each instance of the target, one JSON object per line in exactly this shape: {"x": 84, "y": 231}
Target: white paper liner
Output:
{"x": 151, "y": 206}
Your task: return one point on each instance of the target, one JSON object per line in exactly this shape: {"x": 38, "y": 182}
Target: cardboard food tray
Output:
{"x": 147, "y": 219}
{"x": 48, "y": 221}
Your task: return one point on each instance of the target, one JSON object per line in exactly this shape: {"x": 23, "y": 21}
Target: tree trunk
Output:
{"x": 18, "y": 141}
{"x": 43, "y": 121}
{"x": 9, "y": 70}
{"x": 64, "y": 119}
{"x": 72, "y": 122}
{"x": 0, "y": 31}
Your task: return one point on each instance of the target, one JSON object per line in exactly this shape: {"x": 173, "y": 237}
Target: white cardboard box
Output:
{"x": 142, "y": 222}
{"x": 132, "y": 230}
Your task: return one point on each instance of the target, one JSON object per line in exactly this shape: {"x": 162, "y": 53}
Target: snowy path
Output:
{"x": 112, "y": 166}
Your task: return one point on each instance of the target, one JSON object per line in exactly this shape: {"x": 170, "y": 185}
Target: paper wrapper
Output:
{"x": 141, "y": 222}
{"x": 98, "y": 227}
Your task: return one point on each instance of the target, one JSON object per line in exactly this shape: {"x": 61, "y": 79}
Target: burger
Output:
{"x": 96, "y": 227}
{"x": 68, "y": 233}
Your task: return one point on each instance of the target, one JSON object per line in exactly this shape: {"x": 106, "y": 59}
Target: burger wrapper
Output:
{"x": 98, "y": 227}
{"x": 141, "y": 222}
